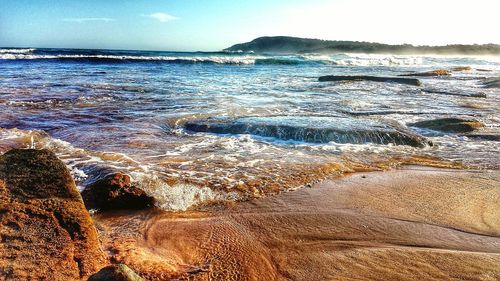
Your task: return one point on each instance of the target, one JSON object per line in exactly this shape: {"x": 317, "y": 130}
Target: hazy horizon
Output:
{"x": 208, "y": 51}
{"x": 190, "y": 25}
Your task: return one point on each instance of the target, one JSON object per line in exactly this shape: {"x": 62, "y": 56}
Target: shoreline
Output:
{"x": 413, "y": 223}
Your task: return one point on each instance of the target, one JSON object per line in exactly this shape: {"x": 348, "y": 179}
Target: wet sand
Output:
{"x": 412, "y": 224}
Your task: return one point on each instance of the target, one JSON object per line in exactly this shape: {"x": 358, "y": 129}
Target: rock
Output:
{"x": 115, "y": 192}
{"x": 462, "y": 68}
{"x": 451, "y": 125}
{"x": 339, "y": 78}
{"x": 311, "y": 129}
{"x": 485, "y": 136}
{"x": 45, "y": 231}
{"x": 437, "y": 72}
{"x": 116, "y": 272}
{"x": 492, "y": 82}
{"x": 475, "y": 95}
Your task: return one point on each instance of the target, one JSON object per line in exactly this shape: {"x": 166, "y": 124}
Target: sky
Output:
{"x": 210, "y": 25}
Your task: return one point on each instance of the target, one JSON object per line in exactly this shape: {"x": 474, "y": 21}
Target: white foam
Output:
{"x": 180, "y": 197}
{"x": 213, "y": 59}
{"x": 382, "y": 60}
{"x": 17, "y": 51}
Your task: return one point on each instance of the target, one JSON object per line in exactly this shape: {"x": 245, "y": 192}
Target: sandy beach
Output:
{"x": 416, "y": 223}
{"x": 249, "y": 140}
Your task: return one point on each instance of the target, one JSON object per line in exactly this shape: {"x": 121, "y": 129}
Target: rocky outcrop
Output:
{"x": 437, "y": 72}
{"x": 117, "y": 272}
{"x": 450, "y": 125}
{"x": 355, "y": 78}
{"x": 311, "y": 130}
{"x": 115, "y": 192}
{"x": 461, "y": 68}
{"x": 45, "y": 231}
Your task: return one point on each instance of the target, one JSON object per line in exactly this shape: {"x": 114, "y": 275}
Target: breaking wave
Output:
{"x": 181, "y": 197}
{"x": 89, "y": 166}
{"x": 123, "y": 59}
{"x": 104, "y": 56}
{"x": 16, "y": 51}
{"x": 311, "y": 130}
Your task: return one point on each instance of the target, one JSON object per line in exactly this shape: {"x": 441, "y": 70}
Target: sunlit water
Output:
{"x": 272, "y": 125}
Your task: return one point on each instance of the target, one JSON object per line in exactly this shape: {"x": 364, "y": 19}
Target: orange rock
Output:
{"x": 45, "y": 231}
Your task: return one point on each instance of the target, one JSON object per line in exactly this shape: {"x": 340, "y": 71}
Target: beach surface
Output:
{"x": 415, "y": 223}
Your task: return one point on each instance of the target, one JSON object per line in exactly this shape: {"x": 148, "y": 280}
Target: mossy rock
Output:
{"x": 437, "y": 72}
{"x": 462, "y": 68}
{"x": 450, "y": 125}
{"x": 116, "y": 272}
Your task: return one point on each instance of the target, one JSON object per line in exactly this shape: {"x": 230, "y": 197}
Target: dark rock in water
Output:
{"x": 337, "y": 78}
{"x": 486, "y": 136}
{"x": 483, "y": 70}
{"x": 437, "y": 72}
{"x": 475, "y": 95}
{"x": 46, "y": 232}
{"x": 311, "y": 130}
{"x": 116, "y": 272}
{"x": 492, "y": 82}
{"x": 115, "y": 192}
{"x": 462, "y": 68}
{"x": 450, "y": 125}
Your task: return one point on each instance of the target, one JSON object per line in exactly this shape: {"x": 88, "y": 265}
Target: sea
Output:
{"x": 201, "y": 128}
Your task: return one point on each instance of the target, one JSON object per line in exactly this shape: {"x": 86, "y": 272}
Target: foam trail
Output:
{"x": 181, "y": 197}
{"x": 16, "y": 51}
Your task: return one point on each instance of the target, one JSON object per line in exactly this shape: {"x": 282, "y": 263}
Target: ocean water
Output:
{"x": 194, "y": 128}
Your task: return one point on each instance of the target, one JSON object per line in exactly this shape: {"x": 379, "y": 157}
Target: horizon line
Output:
{"x": 266, "y": 36}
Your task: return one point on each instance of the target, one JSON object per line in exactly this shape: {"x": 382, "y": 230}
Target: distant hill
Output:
{"x": 284, "y": 44}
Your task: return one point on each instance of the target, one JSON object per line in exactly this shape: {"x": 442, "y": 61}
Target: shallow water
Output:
{"x": 279, "y": 128}
{"x": 415, "y": 224}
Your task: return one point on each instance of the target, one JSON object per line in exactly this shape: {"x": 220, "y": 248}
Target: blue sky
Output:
{"x": 213, "y": 25}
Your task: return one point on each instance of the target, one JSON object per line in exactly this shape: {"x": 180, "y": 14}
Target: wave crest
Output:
{"x": 181, "y": 197}
{"x": 214, "y": 58}
{"x": 17, "y": 51}
{"x": 311, "y": 130}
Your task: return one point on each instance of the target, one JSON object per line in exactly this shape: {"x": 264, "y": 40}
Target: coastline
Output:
{"x": 414, "y": 223}
{"x": 330, "y": 196}
{"x": 249, "y": 141}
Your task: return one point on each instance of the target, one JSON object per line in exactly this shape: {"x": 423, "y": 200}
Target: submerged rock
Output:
{"x": 437, "y": 72}
{"x": 115, "y": 192}
{"x": 311, "y": 129}
{"x": 462, "y": 68}
{"x": 492, "y": 82}
{"x": 46, "y": 232}
{"x": 439, "y": 92}
{"x": 451, "y": 125}
{"x": 116, "y": 272}
{"x": 485, "y": 136}
{"x": 341, "y": 78}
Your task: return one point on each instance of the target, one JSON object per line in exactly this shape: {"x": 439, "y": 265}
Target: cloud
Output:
{"x": 162, "y": 17}
{"x": 81, "y": 20}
